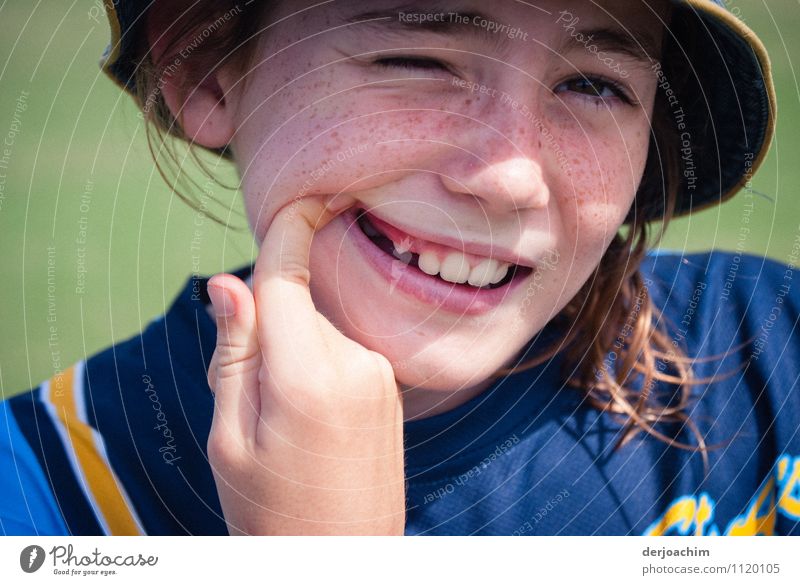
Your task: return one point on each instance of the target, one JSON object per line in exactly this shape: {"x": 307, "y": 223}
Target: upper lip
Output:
{"x": 461, "y": 244}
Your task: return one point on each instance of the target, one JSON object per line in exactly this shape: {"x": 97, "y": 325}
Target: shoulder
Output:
{"x": 60, "y": 433}
{"x": 737, "y": 314}
{"x": 105, "y": 444}
{"x": 730, "y": 274}
{"x": 122, "y": 435}
{"x": 28, "y": 506}
{"x": 724, "y": 296}
{"x": 740, "y": 307}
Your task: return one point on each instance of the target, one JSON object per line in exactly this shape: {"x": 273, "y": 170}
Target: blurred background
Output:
{"x": 95, "y": 245}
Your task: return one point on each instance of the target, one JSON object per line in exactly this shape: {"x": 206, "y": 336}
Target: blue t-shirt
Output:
{"x": 116, "y": 444}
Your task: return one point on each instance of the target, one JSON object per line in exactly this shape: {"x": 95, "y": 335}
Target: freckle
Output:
{"x": 467, "y": 102}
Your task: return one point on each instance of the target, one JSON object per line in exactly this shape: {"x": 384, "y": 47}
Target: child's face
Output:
{"x": 472, "y": 134}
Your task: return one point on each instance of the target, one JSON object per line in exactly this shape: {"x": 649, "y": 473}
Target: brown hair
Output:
{"x": 202, "y": 35}
{"x": 612, "y": 314}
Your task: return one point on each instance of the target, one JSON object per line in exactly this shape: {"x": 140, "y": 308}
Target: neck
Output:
{"x": 419, "y": 403}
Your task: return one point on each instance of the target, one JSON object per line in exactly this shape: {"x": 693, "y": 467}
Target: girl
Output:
{"x": 453, "y": 325}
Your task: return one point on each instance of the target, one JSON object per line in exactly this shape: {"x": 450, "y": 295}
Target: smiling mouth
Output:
{"x": 385, "y": 244}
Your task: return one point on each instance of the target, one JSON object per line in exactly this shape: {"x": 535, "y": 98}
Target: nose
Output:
{"x": 499, "y": 159}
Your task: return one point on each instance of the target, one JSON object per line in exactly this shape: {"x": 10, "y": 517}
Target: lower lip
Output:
{"x": 456, "y": 298}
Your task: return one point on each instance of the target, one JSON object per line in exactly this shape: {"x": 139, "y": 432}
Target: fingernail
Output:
{"x": 222, "y": 300}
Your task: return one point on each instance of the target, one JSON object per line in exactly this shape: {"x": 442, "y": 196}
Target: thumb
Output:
{"x": 233, "y": 373}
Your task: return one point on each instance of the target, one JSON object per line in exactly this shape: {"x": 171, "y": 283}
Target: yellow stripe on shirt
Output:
{"x": 101, "y": 480}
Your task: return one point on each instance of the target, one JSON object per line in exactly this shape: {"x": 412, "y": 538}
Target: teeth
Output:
{"x": 482, "y": 274}
{"x": 402, "y": 251}
{"x": 403, "y": 246}
{"x": 428, "y": 262}
{"x": 502, "y": 270}
{"x": 455, "y": 269}
{"x": 404, "y": 257}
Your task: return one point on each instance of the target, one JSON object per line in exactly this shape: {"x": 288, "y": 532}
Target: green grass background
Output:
{"x": 81, "y": 141}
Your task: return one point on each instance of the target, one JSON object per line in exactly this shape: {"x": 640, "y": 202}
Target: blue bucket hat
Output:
{"x": 725, "y": 110}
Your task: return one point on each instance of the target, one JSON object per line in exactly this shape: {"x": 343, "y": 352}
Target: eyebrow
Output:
{"x": 642, "y": 47}
{"x": 388, "y": 20}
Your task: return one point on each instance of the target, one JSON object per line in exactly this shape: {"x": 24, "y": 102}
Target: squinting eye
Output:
{"x": 594, "y": 88}
{"x": 411, "y": 63}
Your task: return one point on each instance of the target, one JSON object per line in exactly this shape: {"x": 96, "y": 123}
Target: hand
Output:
{"x": 307, "y": 434}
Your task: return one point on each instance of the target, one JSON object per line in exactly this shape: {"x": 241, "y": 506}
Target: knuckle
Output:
{"x": 229, "y": 363}
{"x": 293, "y": 268}
{"x": 220, "y": 370}
{"x": 233, "y": 346}
{"x": 222, "y": 448}
{"x": 382, "y": 363}
{"x": 211, "y": 375}
{"x": 377, "y": 367}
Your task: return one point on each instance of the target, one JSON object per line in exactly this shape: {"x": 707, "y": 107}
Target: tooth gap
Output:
{"x": 414, "y": 261}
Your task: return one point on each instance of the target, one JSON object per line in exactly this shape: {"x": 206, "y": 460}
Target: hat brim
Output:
{"x": 736, "y": 114}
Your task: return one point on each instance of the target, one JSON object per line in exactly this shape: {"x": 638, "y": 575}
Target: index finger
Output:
{"x": 281, "y": 277}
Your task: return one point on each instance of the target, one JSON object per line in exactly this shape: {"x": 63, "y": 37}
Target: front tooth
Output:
{"x": 455, "y": 268}
{"x": 502, "y": 270}
{"x": 403, "y": 246}
{"x": 405, "y": 257}
{"x": 483, "y": 272}
{"x": 429, "y": 263}
{"x": 402, "y": 251}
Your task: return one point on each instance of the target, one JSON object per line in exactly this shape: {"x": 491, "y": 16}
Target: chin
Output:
{"x": 440, "y": 367}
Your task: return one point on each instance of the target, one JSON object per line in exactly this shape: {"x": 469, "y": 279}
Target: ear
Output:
{"x": 203, "y": 109}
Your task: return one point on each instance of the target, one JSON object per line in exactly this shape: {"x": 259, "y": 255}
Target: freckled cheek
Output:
{"x": 332, "y": 150}
{"x": 593, "y": 197}
{"x": 600, "y": 171}
{"x": 605, "y": 199}
{"x": 337, "y": 143}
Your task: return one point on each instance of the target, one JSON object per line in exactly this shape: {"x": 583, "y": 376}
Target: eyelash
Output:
{"x": 410, "y": 62}
{"x": 601, "y": 83}
{"x": 428, "y": 64}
